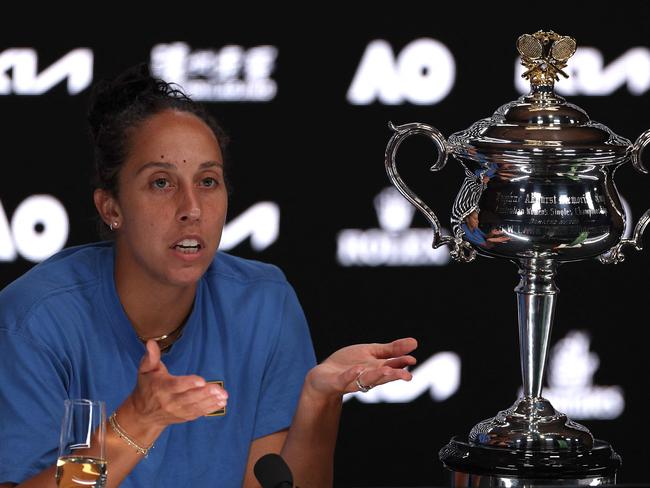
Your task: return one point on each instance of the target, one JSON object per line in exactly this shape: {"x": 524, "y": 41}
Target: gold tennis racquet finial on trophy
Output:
{"x": 545, "y": 54}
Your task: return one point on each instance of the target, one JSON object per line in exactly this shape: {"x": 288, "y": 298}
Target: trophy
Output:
{"x": 539, "y": 191}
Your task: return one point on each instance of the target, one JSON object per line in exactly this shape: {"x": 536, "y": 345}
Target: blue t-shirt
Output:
{"x": 64, "y": 334}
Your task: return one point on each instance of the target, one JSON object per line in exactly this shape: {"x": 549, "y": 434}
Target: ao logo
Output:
{"x": 588, "y": 74}
{"x": 39, "y": 228}
{"x": 76, "y": 67}
{"x": 261, "y": 223}
{"x": 422, "y": 73}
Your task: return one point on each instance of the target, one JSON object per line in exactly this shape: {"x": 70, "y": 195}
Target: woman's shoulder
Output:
{"x": 64, "y": 274}
{"x": 228, "y": 267}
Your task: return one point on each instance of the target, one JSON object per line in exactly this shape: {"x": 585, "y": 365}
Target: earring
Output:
{"x": 113, "y": 225}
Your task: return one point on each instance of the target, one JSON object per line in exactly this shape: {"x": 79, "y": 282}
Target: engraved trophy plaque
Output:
{"x": 539, "y": 191}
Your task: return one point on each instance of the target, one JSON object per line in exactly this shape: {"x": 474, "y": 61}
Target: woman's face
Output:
{"x": 172, "y": 199}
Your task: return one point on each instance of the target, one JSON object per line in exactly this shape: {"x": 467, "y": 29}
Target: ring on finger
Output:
{"x": 362, "y": 388}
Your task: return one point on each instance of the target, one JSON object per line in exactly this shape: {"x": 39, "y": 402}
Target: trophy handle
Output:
{"x": 615, "y": 255}
{"x": 460, "y": 250}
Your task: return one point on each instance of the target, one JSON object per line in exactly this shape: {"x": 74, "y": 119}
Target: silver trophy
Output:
{"x": 538, "y": 190}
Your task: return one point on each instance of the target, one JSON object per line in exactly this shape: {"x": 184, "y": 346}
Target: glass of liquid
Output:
{"x": 82, "y": 461}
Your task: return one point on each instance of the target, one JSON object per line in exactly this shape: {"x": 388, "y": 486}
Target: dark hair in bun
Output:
{"x": 121, "y": 104}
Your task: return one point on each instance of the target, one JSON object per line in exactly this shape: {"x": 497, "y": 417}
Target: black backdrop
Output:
{"x": 319, "y": 159}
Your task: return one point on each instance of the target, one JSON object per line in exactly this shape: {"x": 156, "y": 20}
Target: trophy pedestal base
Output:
{"x": 481, "y": 466}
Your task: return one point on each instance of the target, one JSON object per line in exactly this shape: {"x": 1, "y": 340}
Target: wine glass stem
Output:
{"x": 536, "y": 295}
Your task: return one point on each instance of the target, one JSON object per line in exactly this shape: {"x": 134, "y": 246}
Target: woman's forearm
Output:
{"x": 44, "y": 479}
{"x": 309, "y": 447}
{"x": 121, "y": 458}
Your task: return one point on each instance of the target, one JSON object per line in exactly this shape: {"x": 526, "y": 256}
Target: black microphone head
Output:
{"x": 272, "y": 472}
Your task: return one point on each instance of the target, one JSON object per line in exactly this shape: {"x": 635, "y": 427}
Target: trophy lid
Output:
{"x": 541, "y": 127}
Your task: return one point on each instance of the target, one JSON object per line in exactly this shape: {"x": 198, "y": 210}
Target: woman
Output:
{"x": 152, "y": 321}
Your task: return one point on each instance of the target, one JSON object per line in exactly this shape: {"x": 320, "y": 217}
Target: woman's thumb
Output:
{"x": 151, "y": 359}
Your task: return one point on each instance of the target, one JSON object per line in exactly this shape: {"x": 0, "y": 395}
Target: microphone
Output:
{"x": 272, "y": 472}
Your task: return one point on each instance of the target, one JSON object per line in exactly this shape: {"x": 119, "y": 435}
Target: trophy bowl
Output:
{"x": 539, "y": 191}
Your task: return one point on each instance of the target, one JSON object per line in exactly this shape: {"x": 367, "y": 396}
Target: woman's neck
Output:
{"x": 152, "y": 308}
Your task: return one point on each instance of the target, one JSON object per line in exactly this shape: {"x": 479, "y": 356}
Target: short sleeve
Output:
{"x": 32, "y": 391}
{"x": 292, "y": 356}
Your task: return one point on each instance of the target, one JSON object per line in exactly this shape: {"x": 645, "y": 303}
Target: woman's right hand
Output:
{"x": 160, "y": 399}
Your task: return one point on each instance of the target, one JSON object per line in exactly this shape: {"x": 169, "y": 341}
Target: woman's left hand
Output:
{"x": 371, "y": 364}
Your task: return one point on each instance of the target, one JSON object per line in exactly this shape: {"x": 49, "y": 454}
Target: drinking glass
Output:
{"x": 82, "y": 461}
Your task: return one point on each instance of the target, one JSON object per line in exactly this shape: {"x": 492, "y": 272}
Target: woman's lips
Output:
{"x": 188, "y": 246}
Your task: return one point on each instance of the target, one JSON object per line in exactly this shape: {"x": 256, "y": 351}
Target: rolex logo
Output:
{"x": 395, "y": 242}
{"x": 394, "y": 213}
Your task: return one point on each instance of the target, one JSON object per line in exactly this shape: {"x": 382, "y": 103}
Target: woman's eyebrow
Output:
{"x": 209, "y": 164}
{"x": 165, "y": 165}
{"x": 155, "y": 164}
